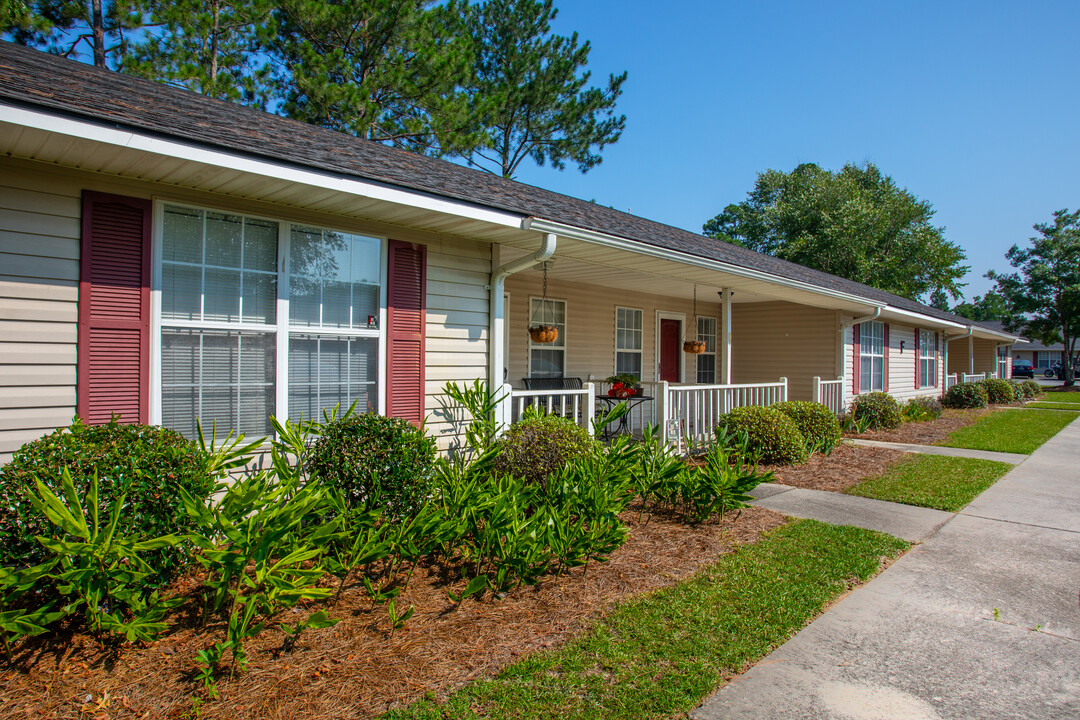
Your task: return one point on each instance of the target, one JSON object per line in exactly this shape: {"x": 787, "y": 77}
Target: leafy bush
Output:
{"x": 965, "y": 395}
{"x": 876, "y": 410}
{"x": 817, "y": 423}
{"x": 770, "y": 434}
{"x": 539, "y": 444}
{"x": 921, "y": 409}
{"x": 147, "y": 465}
{"x": 998, "y": 391}
{"x": 1032, "y": 389}
{"x": 1021, "y": 390}
{"x": 374, "y": 460}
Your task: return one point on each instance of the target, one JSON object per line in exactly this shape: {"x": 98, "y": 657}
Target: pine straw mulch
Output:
{"x": 847, "y": 466}
{"x": 357, "y": 668}
{"x": 929, "y": 432}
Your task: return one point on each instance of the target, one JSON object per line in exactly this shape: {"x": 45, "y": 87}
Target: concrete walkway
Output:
{"x": 1011, "y": 458}
{"x": 911, "y": 523}
{"x": 980, "y": 621}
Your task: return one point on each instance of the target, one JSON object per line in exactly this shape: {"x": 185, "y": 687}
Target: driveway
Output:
{"x": 980, "y": 621}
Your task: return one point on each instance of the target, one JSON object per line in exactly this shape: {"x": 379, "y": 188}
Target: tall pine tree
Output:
{"x": 102, "y": 28}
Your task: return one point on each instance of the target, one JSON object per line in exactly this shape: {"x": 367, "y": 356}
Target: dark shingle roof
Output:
{"x": 32, "y": 78}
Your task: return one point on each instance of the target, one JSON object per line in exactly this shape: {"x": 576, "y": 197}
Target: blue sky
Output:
{"x": 972, "y": 106}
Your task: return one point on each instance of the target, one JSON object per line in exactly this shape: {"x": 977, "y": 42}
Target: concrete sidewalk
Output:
{"x": 980, "y": 621}
{"x": 1011, "y": 458}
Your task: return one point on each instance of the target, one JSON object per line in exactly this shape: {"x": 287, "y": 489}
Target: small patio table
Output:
{"x": 622, "y": 426}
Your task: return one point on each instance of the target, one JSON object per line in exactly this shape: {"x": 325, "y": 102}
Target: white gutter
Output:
{"x": 859, "y": 320}
{"x": 496, "y": 311}
{"x": 613, "y": 241}
{"x": 192, "y": 151}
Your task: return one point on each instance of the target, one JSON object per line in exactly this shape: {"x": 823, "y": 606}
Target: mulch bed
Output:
{"x": 929, "y": 432}
{"x": 357, "y": 668}
{"x": 847, "y": 466}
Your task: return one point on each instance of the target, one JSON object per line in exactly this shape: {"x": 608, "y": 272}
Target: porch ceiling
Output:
{"x": 577, "y": 261}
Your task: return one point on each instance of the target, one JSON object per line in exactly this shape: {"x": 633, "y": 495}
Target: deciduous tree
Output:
{"x": 855, "y": 223}
{"x": 991, "y": 306}
{"x": 1043, "y": 296}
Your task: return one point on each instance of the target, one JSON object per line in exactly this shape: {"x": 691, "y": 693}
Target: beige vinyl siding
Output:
{"x": 902, "y": 364}
{"x": 770, "y": 340}
{"x": 590, "y": 326}
{"x": 985, "y": 356}
{"x": 39, "y": 271}
{"x": 40, "y": 209}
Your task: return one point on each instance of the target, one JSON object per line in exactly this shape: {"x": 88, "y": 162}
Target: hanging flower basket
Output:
{"x": 544, "y": 333}
{"x": 694, "y": 347}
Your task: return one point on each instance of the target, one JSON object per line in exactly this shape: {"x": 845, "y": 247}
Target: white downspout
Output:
{"x": 841, "y": 352}
{"x": 496, "y": 309}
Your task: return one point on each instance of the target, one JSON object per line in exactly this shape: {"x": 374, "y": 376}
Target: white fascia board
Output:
{"x": 592, "y": 236}
{"x": 923, "y": 321}
{"x": 95, "y": 132}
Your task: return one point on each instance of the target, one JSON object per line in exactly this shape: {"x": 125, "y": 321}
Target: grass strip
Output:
{"x": 933, "y": 481}
{"x": 1072, "y": 398}
{"x": 1054, "y": 406}
{"x": 663, "y": 653}
{"x": 1013, "y": 431}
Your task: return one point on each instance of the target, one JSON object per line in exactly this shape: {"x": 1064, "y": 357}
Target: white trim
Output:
{"x": 669, "y": 315}
{"x": 640, "y": 351}
{"x": 154, "y": 386}
{"x": 715, "y": 354}
{"x": 93, "y": 131}
{"x": 562, "y": 333}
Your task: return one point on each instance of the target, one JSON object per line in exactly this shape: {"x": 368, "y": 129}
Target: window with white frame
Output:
{"x": 871, "y": 356}
{"x": 927, "y": 359}
{"x": 628, "y": 341}
{"x": 235, "y": 290}
{"x": 1003, "y": 361}
{"x": 706, "y": 361}
{"x": 548, "y": 359}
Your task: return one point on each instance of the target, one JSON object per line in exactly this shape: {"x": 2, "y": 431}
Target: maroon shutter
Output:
{"x": 885, "y": 362}
{"x": 856, "y": 347}
{"x": 114, "y": 309}
{"x": 406, "y": 305}
{"x": 918, "y": 355}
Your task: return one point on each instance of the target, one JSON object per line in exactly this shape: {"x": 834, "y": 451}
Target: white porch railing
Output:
{"x": 950, "y": 380}
{"x": 642, "y": 414}
{"x": 692, "y": 411}
{"x": 576, "y": 404}
{"x": 965, "y": 378}
{"x": 830, "y": 393}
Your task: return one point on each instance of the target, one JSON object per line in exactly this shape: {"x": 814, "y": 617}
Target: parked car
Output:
{"x": 1023, "y": 368}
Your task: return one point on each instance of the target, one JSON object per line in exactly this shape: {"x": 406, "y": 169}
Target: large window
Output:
{"x": 706, "y": 361}
{"x": 548, "y": 359}
{"x": 871, "y": 356}
{"x": 1003, "y": 361}
{"x": 257, "y": 314}
{"x": 927, "y": 359}
{"x": 628, "y": 338}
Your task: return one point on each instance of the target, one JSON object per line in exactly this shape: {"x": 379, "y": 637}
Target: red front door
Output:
{"x": 669, "y": 350}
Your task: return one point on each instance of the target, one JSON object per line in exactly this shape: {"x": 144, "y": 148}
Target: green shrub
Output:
{"x": 375, "y": 461}
{"x": 998, "y": 391}
{"x": 1021, "y": 390}
{"x": 921, "y": 409}
{"x": 769, "y": 432}
{"x": 539, "y": 445}
{"x": 817, "y": 423}
{"x": 876, "y": 410}
{"x": 1032, "y": 387}
{"x": 149, "y": 465}
{"x": 965, "y": 395}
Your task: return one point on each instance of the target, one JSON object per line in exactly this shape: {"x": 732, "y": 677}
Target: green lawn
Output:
{"x": 1055, "y": 405}
{"x": 661, "y": 654}
{"x": 1013, "y": 431}
{"x": 933, "y": 481}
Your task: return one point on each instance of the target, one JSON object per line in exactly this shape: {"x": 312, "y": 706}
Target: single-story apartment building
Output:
{"x": 165, "y": 257}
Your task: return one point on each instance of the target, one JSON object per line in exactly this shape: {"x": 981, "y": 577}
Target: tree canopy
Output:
{"x": 856, "y": 223}
{"x": 489, "y": 83}
{"x": 1043, "y": 295}
{"x": 991, "y": 306}
{"x": 528, "y": 89}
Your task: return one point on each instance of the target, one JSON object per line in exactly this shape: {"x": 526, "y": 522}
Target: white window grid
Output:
{"x": 706, "y": 361}
{"x": 927, "y": 359}
{"x": 281, "y": 329}
{"x": 871, "y": 356}
{"x": 538, "y": 313}
{"x": 629, "y": 340}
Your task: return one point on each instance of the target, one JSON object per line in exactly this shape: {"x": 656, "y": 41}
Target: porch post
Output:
{"x": 971, "y": 354}
{"x": 725, "y": 338}
{"x": 590, "y": 407}
{"x": 662, "y": 409}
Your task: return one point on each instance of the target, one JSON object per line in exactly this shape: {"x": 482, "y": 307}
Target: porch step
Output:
{"x": 1011, "y": 458}
{"x": 911, "y": 523}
